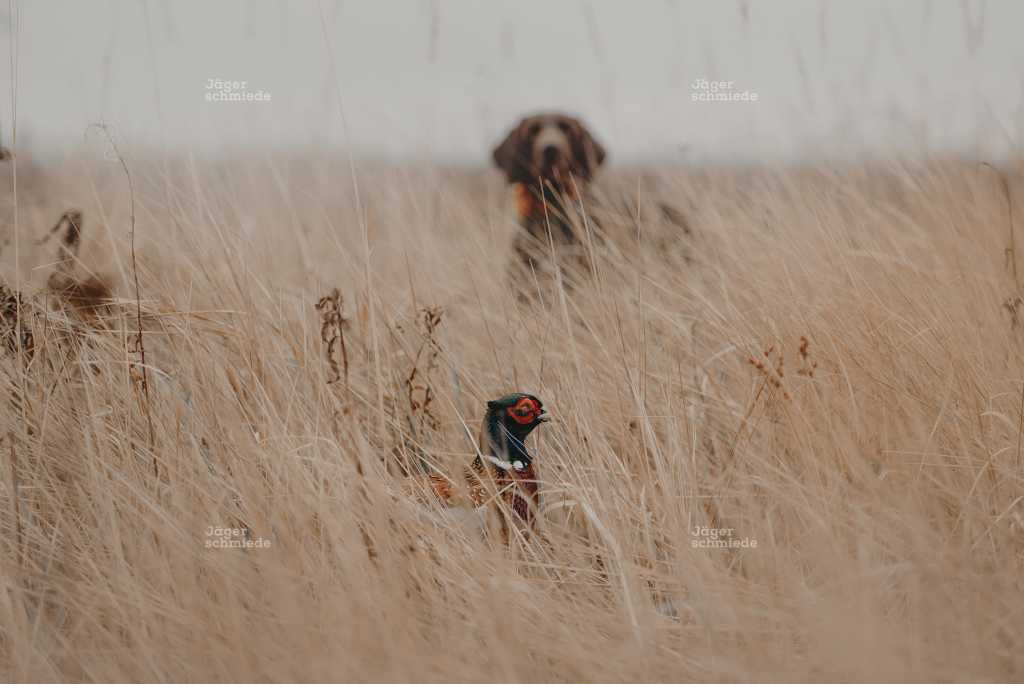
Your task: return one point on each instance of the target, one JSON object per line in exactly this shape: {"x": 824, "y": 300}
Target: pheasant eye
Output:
{"x": 524, "y": 412}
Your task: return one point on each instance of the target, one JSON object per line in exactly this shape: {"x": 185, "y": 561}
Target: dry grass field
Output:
{"x": 827, "y": 361}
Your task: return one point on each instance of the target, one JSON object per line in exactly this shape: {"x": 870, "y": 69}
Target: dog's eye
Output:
{"x": 564, "y": 126}
{"x": 534, "y": 129}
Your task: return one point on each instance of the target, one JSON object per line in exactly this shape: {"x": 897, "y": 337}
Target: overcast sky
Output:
{"x": 443, "y": 79}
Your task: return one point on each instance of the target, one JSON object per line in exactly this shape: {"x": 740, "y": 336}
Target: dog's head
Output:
{"x": 549, "y": 147}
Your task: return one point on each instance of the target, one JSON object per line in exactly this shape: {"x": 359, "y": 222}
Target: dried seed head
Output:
{"x": 333, "y": 324}
{"x": 14, "y": 330}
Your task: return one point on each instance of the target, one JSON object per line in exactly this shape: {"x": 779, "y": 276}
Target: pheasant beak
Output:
{"x": 544, "y": 417}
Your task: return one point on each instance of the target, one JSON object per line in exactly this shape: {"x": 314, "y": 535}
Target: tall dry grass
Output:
{"x": 829, "y": 362}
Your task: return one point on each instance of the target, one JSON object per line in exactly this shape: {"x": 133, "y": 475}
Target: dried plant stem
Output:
{"x": 16, "y": 498}
{"x": 140, "y": 345}
{"x": 1011, "y": 250}
{"x": 1020, "y": 426}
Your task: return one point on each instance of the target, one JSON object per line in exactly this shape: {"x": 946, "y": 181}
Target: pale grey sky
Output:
{"x": 442, "y": 79}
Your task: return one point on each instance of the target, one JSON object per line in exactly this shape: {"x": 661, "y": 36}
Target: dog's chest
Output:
{"x": 547, "y": 216}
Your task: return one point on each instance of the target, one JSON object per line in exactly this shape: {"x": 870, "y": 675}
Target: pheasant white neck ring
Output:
{"x": 505, "y": 465}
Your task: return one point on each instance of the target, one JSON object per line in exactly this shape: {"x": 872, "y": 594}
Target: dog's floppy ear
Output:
{"x": 588, "y": 152}
{"x": 511, "y": 154}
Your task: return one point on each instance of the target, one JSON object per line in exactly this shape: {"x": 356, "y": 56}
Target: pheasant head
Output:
{"x": 507, "y": 423}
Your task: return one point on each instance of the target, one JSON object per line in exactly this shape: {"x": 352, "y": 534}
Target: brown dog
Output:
{"x": 550, "y": 159}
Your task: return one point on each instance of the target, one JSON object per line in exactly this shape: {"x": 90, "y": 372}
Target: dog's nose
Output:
{"x": 551, "y": 154}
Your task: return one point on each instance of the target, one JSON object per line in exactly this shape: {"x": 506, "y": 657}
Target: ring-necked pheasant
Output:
{"x": 503, "y": 468}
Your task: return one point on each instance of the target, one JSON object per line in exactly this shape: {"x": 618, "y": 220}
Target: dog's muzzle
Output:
{"x": 551, "y": 150}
